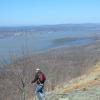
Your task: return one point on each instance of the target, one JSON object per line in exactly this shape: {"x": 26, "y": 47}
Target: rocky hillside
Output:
{"x": 86, "y": 87}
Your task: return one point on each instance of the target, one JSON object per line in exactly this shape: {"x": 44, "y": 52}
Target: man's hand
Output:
{"x": 32, "y": 82}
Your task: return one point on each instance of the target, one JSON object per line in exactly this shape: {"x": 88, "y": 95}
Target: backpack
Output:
{"x": 42, "y": 78}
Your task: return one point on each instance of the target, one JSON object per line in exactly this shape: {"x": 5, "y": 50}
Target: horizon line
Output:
{"x": 37, "y": 25}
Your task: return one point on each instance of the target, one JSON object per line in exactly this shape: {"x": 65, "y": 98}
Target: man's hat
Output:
{"x": 37, "y": 69}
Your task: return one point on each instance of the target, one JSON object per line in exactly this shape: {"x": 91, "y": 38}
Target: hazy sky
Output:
{"x": 36, "y": 12}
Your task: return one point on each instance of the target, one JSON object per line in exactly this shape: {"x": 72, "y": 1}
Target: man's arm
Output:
{"x": 35, "y": 79}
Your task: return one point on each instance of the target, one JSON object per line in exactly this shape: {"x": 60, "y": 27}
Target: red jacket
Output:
{"x": 37, "y": 78}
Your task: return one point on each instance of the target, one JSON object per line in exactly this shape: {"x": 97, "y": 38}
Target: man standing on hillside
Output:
{"x": 39, "y": 79}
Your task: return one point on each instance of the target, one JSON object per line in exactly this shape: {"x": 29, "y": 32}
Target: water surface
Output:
{"x": 27, "y": 43}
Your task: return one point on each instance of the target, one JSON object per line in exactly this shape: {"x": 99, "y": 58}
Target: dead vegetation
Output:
{"x": 60, "y": 66}
{"x": 91, "y": 78}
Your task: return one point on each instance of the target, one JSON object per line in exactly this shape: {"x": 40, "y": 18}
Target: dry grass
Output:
{"x": 91, "y": 78}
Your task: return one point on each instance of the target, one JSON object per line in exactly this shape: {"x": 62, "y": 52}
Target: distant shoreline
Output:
{"x": 42, "y": 38}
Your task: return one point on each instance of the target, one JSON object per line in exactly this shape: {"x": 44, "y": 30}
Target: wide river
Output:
{"x": 29, "y": 43}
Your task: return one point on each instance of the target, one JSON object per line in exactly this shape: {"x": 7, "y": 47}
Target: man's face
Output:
{"x": 37, "y": 71}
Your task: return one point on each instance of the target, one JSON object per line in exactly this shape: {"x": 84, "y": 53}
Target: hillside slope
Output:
{"x": 86, "y": 87}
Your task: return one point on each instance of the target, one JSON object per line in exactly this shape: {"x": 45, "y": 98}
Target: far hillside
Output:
{"x": 11, "y": 31}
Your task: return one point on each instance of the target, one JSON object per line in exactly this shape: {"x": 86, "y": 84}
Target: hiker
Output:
{"x": 39, "y": 80}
